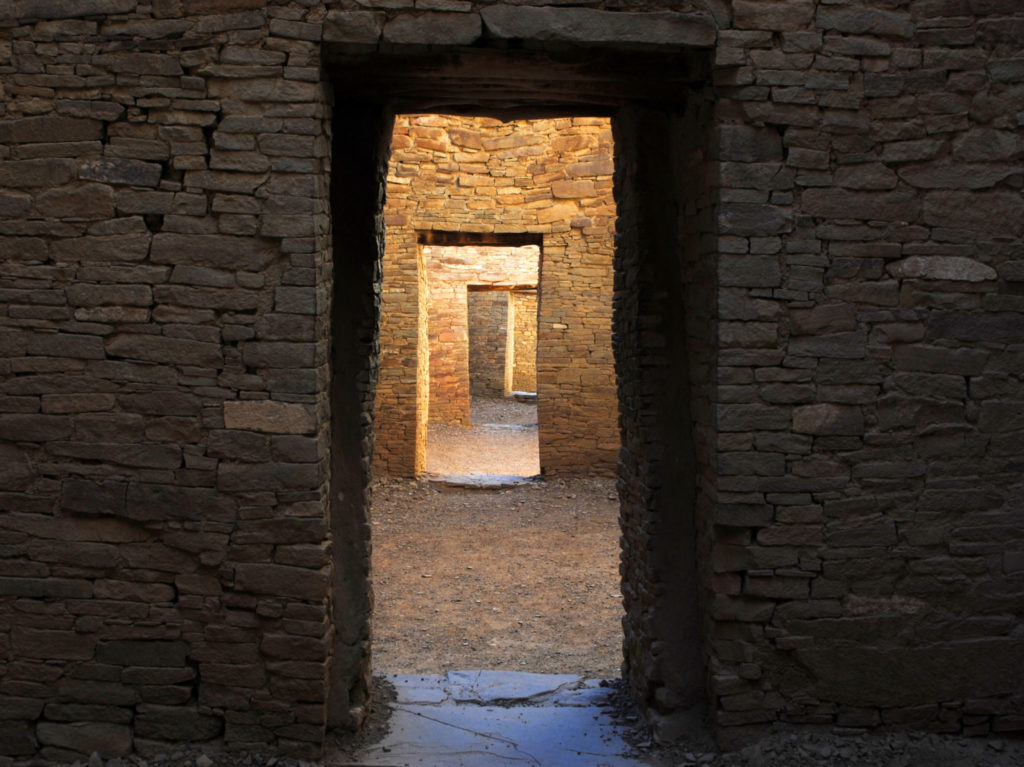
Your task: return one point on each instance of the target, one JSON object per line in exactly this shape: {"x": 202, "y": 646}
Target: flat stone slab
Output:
{"x": 419, "y": 688}
{"x": 589, "y": 25}
{"x": 480, "y": 481}
{"x": 505, "y": 686}
{"x": 544, "y": 725}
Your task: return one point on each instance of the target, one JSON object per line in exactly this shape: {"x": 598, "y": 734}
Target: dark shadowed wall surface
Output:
{"x": 818, "y": 344}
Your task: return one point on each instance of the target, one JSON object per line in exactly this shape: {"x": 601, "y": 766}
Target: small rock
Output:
{"x": 204, "y": 761}
{"x": 95, "y": 760}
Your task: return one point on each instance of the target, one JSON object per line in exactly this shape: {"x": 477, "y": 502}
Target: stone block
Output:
{"x": 158, "y": 502}
{"x": 747, "y": 144}
{"x": 851, "y": 345}
{"x": 434, "y": 28}
{"x": 160, "y": 403}
{"x": 592, "y": 26}
{"x": 826, "y": 419}
{"x": 992, "y": 327}
{"x": 752, "y": 418}
{"x": 235, "y": 477}
{"x": 142, "y": 653}
{"x": 956, "y": 175}
{"x": 877, "y": 206}
{"x": 863, "y": 675}
{"x": 747, "y": 219}
{"x": 16, "y": 471}
{"x": 269, "y": 417}
{"x": 176, "y": 723}
{"x": 93, "y": 497}
{"x": 291, "y": 647}
{"x": 281, "y": 580}
{"x": 956, "y": 268}
{"x": 88, "y": 202}
{"x": 43, "y": 172}
{"x": 749, "y": 271}
{"x": 74, "y": 553}
{"x": 118, "y": 247}
{"x": 1001, "y": 415}
{"x": 988, "y": 145}
{"x": 67, "y": 345}
{"x": 13, "y": 707}
{"x": 110, "y": 170}
{"x": 50, "y": 588}
{"x": 865, "y": 21}
{"x": 793, "y": 15}
{"x": 213, "y": 250}
{"x": 279, "y": 355}
{"x": 940, "y": 359}
{"x": 995, "y": 212}
{"x": 81, "y": 294}
{"x": 282, "y": 531}
{"x": 49, "y": 129}
{"x": 26, "y": 427}
{"x": 107, "y": 739}
{"x": 51, "y": 644}
{"x": 143, "y": 455}
{"x": 238, "y": 446}
{"x": 353, "y": 26}
{"x": 824, "y": 318}
{"x": 162, "y": 349}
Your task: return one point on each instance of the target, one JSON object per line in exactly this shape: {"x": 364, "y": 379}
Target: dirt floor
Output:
{"x": 502, "y": 440}
{"x": 521, "y": 579}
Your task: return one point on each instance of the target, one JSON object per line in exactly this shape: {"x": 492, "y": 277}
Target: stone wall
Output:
{"x": 523, "y": 343}
{"x": 488, "y": 337}
{"x": 476, "y": 176}
{"x": 450, "y": 272}
{"x": 164, "y": 271}
{"x": 502, "y": 352}
{"x": 869, "y": 221}
{"x": 818, "y": 342}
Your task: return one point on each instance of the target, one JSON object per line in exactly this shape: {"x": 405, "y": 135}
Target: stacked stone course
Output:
{"x": 819, "y": 355}
{"x": 523, "y": 311}
{"x": 450, "y": 273}
{"x": 488, "y": 339}
{"x": 163, "y": 229}
{"x": 868, "y": 163}
{"x": 547, "y": 178}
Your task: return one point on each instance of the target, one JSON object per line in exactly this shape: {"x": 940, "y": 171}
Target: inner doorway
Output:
{"x": 482, "y": 332}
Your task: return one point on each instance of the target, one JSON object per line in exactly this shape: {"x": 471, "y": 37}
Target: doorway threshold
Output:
{"x": 481, "y": 481}
{"x": 504, "y": 718}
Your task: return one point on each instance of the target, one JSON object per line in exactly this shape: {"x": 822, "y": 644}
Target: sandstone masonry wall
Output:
{"x": 818, "y": 335}
{"x": 488, "y": 337}
{"x": 164, "y": 268}
{"x": 868, "y": 162}
{"x": 543, "y": 177}
{"x": 450, "y": 270}
{"x": 523, "y": 308}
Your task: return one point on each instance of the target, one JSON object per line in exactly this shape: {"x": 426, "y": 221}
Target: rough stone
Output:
{"x": 107, "y": 739}
{"x": 825, "y": 419}
{"x": 954, "y": 268}
{"x": 434, "y": 28}
{"x": 354, "y": 26}
{"x": 588, "y": 25}
{"x": 269, "y": 417}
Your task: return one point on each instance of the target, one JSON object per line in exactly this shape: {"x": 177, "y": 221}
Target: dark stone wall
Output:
{"x": 183, "y": 547}
{"x": 866, "y": 540}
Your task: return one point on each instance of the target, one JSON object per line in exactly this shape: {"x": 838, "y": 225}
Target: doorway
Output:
{"x": 663, "y": 324}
